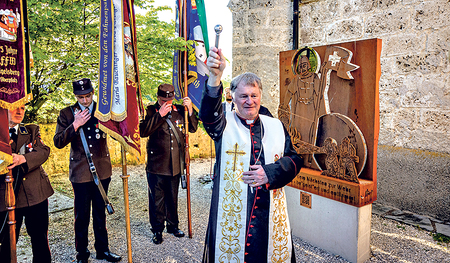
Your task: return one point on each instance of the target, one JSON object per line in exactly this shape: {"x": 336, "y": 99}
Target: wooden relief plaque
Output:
{"x": 329, "y": 104}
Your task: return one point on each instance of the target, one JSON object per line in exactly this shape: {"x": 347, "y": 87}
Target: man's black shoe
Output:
{"x": 176, "y": 232}
{"x": 82, "y": 261}
{"x": 109, "y": 256}
{"x": 157, "y": 238}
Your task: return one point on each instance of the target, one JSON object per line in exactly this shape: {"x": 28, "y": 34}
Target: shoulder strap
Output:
{"x": 109, "y": 207}
{"x": 180, "y": 148}
{"x": 174, "y": 132}
{"x": 180, "y": 145}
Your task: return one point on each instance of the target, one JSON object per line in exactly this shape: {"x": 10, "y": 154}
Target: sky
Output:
{"x": 217, "y": 12}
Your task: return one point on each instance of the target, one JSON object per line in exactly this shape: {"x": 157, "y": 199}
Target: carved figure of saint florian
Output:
{"x": 301, "y": 100}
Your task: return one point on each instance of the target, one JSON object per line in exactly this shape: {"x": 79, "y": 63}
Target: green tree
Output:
{"x": 64, "y": 42}
{"x": 156, "y": 44}
{"x": 63, "y": 37}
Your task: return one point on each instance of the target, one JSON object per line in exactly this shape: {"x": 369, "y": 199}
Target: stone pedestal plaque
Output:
{"x": 336, "y": 227}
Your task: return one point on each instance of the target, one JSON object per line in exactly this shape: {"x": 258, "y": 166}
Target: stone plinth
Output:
{"x": 339, "y": 228}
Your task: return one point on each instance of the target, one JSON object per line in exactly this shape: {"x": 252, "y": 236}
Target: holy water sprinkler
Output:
{"x": 218, "y": 29}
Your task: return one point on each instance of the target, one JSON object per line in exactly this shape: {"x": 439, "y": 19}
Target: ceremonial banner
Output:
{"x": 14, "y": 68}
{"x": 202, "y": 19}
{"x": 14, "y": 54}
{"x": 119, "y": 96}
{"x": 197, "y": 52}
{"x": 5, "y": 149}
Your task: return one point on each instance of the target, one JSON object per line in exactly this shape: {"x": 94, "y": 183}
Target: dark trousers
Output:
{"x": 163, "y": 201}
{"x": 36, "y": 222}
{"x": 85, "y": 195}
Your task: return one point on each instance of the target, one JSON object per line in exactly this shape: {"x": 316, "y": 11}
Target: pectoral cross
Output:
{"x": 235, "y": 152}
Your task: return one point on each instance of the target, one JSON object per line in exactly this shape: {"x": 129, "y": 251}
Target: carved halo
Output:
{"x": 311, "y": 54}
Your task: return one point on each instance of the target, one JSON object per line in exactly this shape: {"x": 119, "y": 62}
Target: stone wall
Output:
{"x": 414, "y": 85}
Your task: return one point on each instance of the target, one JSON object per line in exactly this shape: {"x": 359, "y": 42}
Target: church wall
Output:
{"x": 414, "y": 153}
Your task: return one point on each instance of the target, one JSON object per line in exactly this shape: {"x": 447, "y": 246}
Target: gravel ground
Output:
{"x": 391, "y": 241}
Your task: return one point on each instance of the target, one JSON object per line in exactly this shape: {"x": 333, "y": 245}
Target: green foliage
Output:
{"x": 441, "y": 238}
{"x": 401, "y": 227}
{"x": 64, "y": 42}
{"x": 226, "y": 81}
{"x": 156, "y": 44}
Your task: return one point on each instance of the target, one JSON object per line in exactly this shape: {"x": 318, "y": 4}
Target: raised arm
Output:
{"x": 216, "y": 64}
{"x": 211, "y": 112}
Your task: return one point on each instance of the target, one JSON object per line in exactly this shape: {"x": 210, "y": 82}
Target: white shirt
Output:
{"x": 228, "y": 106}
{"x": 15, "y": 128}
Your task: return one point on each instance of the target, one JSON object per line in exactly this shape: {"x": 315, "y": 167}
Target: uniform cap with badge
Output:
{"x": 166, "y": 92}
{"x": 82, "y": 86}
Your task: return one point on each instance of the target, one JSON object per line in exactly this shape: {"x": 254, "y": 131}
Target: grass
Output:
{"x": 61, "y": 183}
{"x": 440, "y": 238}
{"x": 402, "y": 227}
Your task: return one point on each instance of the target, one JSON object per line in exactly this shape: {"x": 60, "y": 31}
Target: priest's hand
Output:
{"x": 256, "y": 176}
{"x": 216, "y": 64}
{"x": 81, "y": 117}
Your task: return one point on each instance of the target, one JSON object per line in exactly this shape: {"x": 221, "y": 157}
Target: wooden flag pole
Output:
{"x": 186, "y": 124}
{"x": 188, "y": 173}
{"x": 126, "y": 201}
{"x": 10, "y": 202}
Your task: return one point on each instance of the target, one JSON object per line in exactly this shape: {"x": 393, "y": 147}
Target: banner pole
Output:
{"x": 10, "y": 202}
{"x": 186, "y": 124}
{"x": 126, "y": 200}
